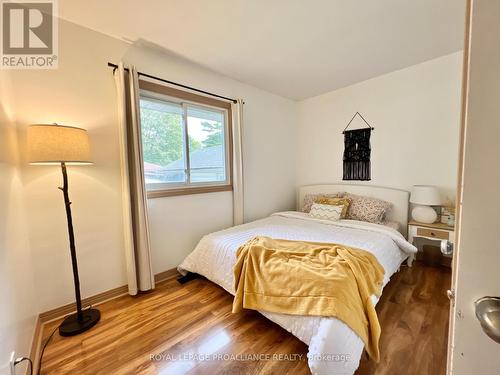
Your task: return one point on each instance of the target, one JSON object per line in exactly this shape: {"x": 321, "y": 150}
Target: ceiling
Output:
{"x": 294, "y": 48}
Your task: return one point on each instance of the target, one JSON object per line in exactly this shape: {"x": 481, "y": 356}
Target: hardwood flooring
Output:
{"x": 163, "y": 331}
{"x": 413, "y": 313}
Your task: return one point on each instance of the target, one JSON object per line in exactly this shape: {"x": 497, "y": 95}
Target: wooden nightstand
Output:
{"x": 434, "y": 231}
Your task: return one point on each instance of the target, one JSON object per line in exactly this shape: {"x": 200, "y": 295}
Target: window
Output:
{"x": 186, "y": 143}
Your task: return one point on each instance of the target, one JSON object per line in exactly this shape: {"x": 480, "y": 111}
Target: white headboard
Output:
{"x": 398, "y": 198}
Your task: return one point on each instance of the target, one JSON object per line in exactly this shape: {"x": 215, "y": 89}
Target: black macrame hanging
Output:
{"x": 357, "y": 152}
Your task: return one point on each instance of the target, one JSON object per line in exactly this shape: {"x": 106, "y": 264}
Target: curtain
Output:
{"x": 237, "y": 120}
{"x": 137, "y": 245}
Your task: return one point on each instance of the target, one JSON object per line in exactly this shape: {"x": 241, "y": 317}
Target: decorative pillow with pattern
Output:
{"x": 367, "y": 209}
{"x": 310, "y": 198}
{"x": 325, "y": 211}
{"x": 344, "y": 202}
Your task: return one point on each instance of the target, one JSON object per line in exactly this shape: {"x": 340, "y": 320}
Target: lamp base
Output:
{"x": 424, "y": 214}
{"x": 71, "y": 326}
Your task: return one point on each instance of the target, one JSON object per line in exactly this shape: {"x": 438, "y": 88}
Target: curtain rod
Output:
{"x": 114, "y": 66}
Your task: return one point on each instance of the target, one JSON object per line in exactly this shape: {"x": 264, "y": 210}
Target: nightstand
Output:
{"x": 434, "y": 231}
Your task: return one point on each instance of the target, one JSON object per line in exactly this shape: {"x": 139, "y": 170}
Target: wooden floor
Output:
{"x": 162, "y": 332}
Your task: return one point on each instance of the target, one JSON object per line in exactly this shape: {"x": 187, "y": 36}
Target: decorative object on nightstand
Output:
{"x": 451, "y": 221}
{"x": 424, "y": 196}
{"x": 448, "y": 214}
{"x": 443, "y": 233}
{"x": 62, "y": 145}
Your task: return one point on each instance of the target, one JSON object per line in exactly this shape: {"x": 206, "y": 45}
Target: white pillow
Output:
{"x": 326, "y": 211}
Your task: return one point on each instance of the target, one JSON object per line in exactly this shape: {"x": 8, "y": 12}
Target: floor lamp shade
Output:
{"x": 55, "y": 144}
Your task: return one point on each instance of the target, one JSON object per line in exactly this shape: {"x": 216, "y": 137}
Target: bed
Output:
{"x": 333, "y": 347}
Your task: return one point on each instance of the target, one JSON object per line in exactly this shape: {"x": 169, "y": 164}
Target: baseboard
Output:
{"x": 97, "y": 299}
{"x": 59, "y": 312}
{"x": 166, "y": 275}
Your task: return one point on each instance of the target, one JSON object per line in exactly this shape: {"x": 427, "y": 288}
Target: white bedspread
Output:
{"x": 333, "y": 347}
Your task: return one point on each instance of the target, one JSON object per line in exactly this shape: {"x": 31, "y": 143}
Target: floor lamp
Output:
{"x": 65, "y": 145}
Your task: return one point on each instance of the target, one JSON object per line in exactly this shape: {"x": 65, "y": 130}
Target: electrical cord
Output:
{"x": 45, "y": 345}
{"x": 22, "y": 359}
{"x": 43, "y": 350}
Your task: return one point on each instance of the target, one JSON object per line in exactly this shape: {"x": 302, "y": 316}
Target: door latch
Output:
{"x": 450, "y": 293}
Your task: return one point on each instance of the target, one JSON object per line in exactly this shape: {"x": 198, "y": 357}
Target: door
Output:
{"x": 477, "y": 261}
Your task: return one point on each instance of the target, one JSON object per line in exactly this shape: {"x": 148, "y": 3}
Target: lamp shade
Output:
{"x": 425, "y": 195}
{"x": 54, "y": 144}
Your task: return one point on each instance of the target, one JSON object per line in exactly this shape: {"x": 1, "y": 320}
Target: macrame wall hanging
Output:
{"x": 357, "y": 151}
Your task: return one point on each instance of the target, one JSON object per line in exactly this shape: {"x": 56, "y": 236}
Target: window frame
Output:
{"x": 154, "y": 91}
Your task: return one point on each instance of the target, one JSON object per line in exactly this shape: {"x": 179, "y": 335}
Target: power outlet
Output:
{"x": 12, "y": 363}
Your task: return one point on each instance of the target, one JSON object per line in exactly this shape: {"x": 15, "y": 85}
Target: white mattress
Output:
{"x": 333, "y": 347}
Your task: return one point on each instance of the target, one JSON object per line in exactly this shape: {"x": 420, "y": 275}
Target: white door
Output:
{"x": 477, "y": 271}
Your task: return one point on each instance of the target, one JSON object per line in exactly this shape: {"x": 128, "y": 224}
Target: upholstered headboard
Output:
{"x": 398, "y": 198}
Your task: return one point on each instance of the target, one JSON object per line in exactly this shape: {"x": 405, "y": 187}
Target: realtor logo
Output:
{"x": 29, "y": 34}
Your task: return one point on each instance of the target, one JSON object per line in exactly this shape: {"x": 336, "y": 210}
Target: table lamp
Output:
{"x": 424, "y": 196}
{"x": 65, "y": 145}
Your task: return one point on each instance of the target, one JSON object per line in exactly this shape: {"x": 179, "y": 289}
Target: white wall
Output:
{"x": 177, "y": 224}
{"x": 415, "y": 112}
{"x": 81, "y": 92}
{"x": 18, "y": 308}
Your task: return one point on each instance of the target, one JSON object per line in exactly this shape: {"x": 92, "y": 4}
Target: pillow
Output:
{"x": 344, "y": 202}
{"x": 310, "y": 198}
{"x": 368, "y": 209}
{"x": 325, "y": 211}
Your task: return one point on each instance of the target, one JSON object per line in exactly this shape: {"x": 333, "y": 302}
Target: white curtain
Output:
{"x": 137, "y": 246}
{"x": 237, "y": 122}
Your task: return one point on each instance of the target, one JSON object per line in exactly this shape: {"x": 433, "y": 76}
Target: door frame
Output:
{"x": 458, "y": 199}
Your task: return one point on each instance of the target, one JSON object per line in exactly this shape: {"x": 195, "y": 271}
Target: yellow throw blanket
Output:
{"x": 307, "y": 278}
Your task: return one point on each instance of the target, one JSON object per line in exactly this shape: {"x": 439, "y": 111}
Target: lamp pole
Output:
{"x": 83, "y": 320}
{"x": 72, "y": 248}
